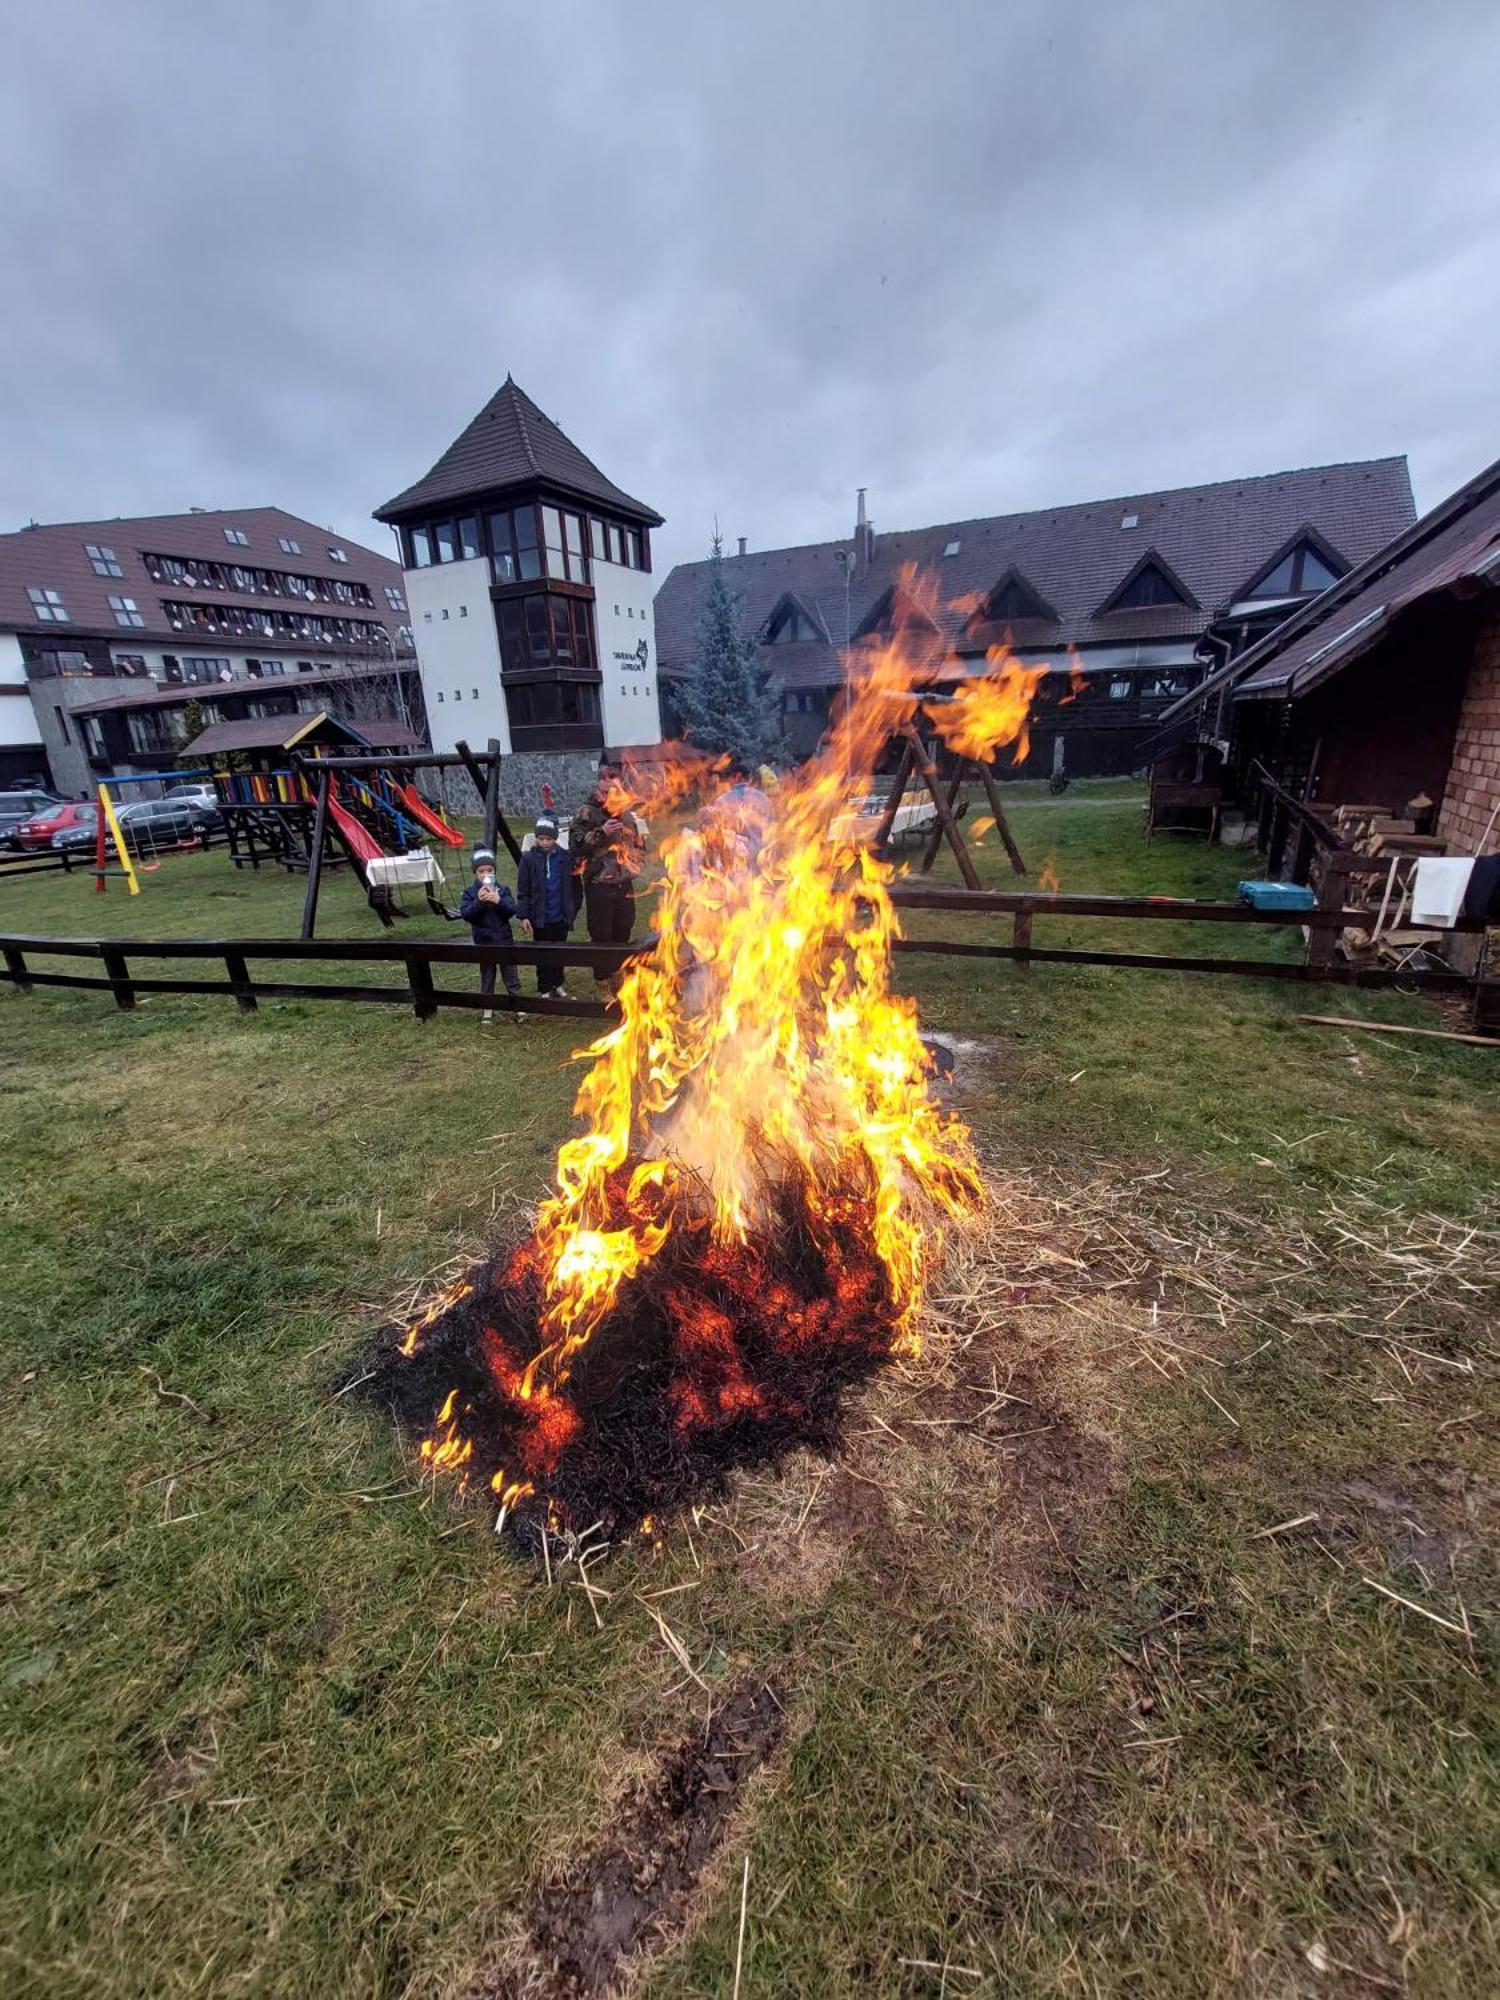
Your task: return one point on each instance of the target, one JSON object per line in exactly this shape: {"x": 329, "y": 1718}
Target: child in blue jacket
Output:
{"x": 487, "y": 907}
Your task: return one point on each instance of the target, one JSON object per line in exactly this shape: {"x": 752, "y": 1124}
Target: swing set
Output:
{"x": 108, "y": 830}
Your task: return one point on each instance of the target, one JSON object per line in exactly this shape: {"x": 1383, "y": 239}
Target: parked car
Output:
{"x": 160, "y": 823}
{"x": 79, "y": 835}
{"x": 194, "y": 795}
{"x": 39, "y": 832}
{"x": 17, "y": 806}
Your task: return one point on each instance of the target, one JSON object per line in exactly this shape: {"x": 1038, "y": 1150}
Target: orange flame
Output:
{"x": 761, "y": 1036}
{"x": 992, "y": 710}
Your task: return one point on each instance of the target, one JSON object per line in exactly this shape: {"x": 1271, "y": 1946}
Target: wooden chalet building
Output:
{"x": 1386, "y": 686}
{"x": 1146, "y": 593}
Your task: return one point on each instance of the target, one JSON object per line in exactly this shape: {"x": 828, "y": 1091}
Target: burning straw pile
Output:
{"x": 747, "y": 1222}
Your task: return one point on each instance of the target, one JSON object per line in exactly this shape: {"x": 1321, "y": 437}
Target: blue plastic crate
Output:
{"x": 1277, "y": 896}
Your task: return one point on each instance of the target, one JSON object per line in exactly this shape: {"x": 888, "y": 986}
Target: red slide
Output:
{"x": 423, "y": 814}
{"x": 361, "y": 843}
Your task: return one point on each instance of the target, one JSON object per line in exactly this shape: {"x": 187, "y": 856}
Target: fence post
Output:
{"x": 119, "y": 976}
{"x": 419, "y": 979}
{"x": 1323, "y": 938}
{"x": 15, "y": 965}
{"x": 1020, "y": 937}
{"x": 239, "y": 978}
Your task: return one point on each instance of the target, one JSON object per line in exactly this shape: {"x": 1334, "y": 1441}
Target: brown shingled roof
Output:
{"x": 275, "y": 732}
{"x": 54, "y": 556}
{"x": 511, "y": 443}
{"x": 1214, "y": 537}
{"x": 1456, "y": 544}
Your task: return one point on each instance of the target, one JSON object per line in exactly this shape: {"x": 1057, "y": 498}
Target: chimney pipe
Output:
{"x": 864, "y": 534}
{"x": 742, "y": 544}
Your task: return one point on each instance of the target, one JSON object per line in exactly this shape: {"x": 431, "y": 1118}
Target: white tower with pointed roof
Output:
{"x": 528, "y": 576}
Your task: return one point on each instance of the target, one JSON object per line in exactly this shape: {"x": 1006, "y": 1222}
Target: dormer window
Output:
{"x": 790, "y": 625}
{"x": 892, "y": 612}
{"x": 1299, "y": 571}
{"x": 1014, "y": 598}
{"x": 1150, "y": 586}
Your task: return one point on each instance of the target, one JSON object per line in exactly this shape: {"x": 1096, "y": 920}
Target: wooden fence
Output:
{"x": 418, "y": 957}
{"x": 1322, "y": 925}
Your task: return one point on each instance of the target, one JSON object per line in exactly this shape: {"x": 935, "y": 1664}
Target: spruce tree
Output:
{"x": 727, "y": 703}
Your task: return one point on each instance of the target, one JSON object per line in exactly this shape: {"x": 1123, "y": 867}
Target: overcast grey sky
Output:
{"x": 975, "y": 256}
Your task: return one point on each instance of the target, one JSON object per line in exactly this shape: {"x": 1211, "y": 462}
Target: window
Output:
{"x": 440, "y": 694}
{"x": 46, "y": 605}
{"x": 599, "y": 540}
{"x": 132, "y": 665}
{"x": 1163, "y": 686}
{"x": 1130, "y": 520}
{"x": 894, "y": 611}
{"x": 288, "y": 547}
{"x": 304, "y": 666}
{"x": 552, "y": 704}
{"x": 238, "y": 536}
{"x": 1013, "y": 598}
{"x": 952, "y": 548}
{"x": 790, "y": 626}
{"x": 463, "y": 610}
{"x": 514, "y": 557}
{"x": 552, "y": 536}
{"x": 544, "y": 632}
{"x": 394, "y": 598}
{"x": 1145, "y": 588}
{"x": 103, "y": 561}
{"x": 203, "y": 671}
{"x": 93, "y": 737}
{"x": 338, "y": 555}
{"x": 444, "y": 545}
{"x": 126, "y": 611}
{"x": 421, "y": 548}
{"x": 154, "y": 732}
{"x": 468, "y": 538}
{"x": 616, "y": 543}
{"x": 1119, "y": 690}
{"x": 474, "y": 692}
{"x": 1298, "y": 574}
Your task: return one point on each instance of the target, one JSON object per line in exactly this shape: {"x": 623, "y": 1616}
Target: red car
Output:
{"x": 37, "y": 832}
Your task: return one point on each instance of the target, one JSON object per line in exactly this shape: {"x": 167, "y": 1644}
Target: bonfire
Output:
{"x": 747, "y": 1221}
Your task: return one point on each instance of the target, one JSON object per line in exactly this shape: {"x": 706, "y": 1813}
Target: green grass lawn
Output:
{"x": 1061, "y": 1717}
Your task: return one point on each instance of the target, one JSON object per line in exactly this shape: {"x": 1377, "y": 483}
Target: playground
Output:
{"x": 292, "y": 1725}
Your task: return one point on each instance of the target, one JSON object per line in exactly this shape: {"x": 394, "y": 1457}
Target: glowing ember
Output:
{"x": 746, "y": 1220}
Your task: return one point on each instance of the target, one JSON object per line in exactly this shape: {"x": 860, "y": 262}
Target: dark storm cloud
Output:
{"x": 972, "y": 256}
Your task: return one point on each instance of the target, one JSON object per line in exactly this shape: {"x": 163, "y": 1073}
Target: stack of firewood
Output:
{"x": 1377, "y": 830}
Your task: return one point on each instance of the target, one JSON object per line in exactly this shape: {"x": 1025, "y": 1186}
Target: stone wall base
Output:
{"x": 570, "y": 773}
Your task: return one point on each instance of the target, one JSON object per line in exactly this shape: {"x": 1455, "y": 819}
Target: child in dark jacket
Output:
{"x": 487, "y": 907}
{"x": 547, "y": 900}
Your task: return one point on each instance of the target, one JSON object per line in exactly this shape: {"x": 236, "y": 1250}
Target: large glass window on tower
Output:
{"x": 514, "y": 557}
